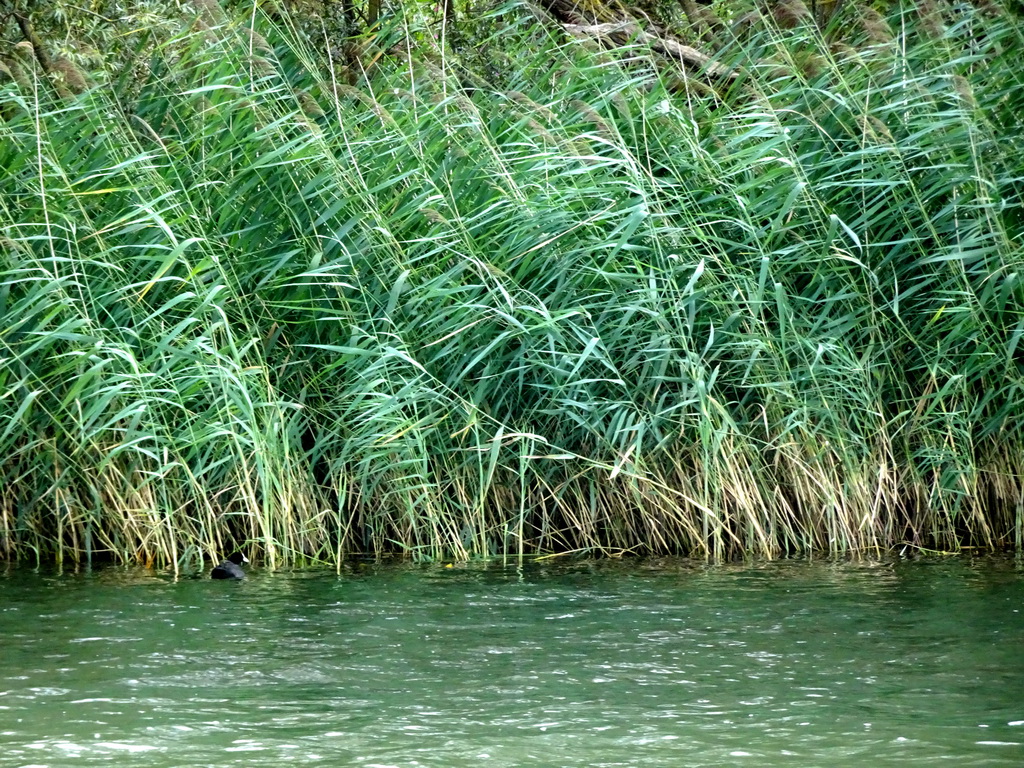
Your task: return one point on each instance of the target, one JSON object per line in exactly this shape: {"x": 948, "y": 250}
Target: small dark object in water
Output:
{"x": 229, "y": 568}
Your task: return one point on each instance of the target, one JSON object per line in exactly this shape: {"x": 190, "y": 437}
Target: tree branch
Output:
{"x": 37, "y": 44}
{"x": 626, "y": 31}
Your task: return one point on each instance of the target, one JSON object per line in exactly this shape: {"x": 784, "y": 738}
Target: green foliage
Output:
{"x": 592, "y": 309}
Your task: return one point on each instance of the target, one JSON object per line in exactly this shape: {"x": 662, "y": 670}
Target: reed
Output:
{"x": 580, "y": 309}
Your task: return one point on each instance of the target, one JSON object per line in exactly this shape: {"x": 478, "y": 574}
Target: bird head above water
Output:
{"x": 230, "y": 568}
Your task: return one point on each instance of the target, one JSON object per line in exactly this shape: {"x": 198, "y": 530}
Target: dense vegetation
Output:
{"x": 481, "y": 287}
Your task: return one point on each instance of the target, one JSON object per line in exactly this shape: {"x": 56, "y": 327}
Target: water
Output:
{"x": 649, "y": 663}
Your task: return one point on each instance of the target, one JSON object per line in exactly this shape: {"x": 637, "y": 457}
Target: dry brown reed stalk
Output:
{"x": 531, "y": 106}
{"x": 930, "y": 14}
{"x": 810, "y": 64}
{"x": 873, "y": 128}
{"x": 845, "y": 55}
{"x": 6, "y": 75}
{"x": 964, "y": 91}
{"x": 24, "y": 51}
{"x": 542, "y": 132}
{"x": 691, "y": 87}
{"x": 308, "y": 104}
{"x": 258, "y": 42}
{"x": 366, "y": 100}
{"x": 261, "y": 67}
{"x": 874, "y": 25}
{"x": 990, "y": 8}
{"x": 210, "y": 12}
{"x": 23, "y": 66}
{"x": 70, "y": 74}
{"x": 789, "y": 14}
{"x": 592, "y": 116}
{"x": 621, "y": 104}
{"x": 434, "y": 216}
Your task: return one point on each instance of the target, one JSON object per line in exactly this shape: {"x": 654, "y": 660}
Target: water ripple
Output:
{"x": 656, "y": 663}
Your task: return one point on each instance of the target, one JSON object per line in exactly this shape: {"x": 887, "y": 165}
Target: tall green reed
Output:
{"x": 593, "y": 308}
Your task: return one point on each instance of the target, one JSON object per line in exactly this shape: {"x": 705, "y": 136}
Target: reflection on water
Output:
{"x": 644, "y": 663}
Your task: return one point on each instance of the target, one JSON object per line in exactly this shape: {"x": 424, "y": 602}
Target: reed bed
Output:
{"x": 582, "y": 306}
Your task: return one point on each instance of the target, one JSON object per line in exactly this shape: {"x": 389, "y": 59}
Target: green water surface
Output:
{"x": 641, "y": 663}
